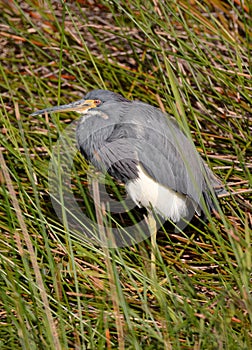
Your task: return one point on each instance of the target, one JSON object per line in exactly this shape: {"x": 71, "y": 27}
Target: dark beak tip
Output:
{"x": 34, "y": 114}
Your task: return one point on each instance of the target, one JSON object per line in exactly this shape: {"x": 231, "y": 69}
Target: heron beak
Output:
{"x": 80, "y": 106}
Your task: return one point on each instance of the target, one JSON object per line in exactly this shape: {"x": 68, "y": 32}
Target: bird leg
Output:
{"x": 153, "y": 232}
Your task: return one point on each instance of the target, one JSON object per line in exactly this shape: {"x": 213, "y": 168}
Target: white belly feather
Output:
{"x": 146, "y": 192}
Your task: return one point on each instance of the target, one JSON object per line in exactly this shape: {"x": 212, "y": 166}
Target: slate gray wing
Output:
{"x": 166, "y": 154}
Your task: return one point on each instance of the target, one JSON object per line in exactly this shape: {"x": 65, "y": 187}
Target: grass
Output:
{"x": 57, "y": 289}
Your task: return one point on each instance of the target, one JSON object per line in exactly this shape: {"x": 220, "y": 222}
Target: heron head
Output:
{"x": 93, "y": 99}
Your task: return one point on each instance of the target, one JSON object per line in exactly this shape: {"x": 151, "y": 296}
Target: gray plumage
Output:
{"x": 135, "y": 132}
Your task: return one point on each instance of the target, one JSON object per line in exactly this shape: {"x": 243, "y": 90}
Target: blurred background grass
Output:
{"x": 190, "y": 58}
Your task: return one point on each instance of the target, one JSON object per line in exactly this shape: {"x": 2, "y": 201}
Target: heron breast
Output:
{"x": 147, "y": 193}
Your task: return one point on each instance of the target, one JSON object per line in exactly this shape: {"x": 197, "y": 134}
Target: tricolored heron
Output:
{"x": 144, "y": 148}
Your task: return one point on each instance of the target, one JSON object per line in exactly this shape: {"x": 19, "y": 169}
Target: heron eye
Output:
{"x": 97, "y": 102}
